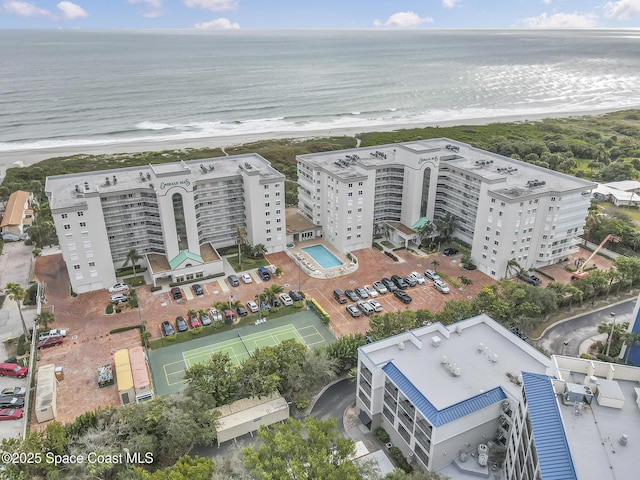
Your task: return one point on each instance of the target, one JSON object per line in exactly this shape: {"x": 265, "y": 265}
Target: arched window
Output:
{"x": 181, "y": 226}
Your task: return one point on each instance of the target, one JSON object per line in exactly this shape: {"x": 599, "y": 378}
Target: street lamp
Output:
{"x": 564, "y": 345}
{"x": 613, "y": 326}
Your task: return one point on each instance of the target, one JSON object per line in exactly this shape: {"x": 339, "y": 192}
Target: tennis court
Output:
{"x": 168, "y": 364}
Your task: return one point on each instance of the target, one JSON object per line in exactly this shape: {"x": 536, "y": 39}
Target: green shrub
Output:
{"x": 109, "y": 309}
{"x": 378, "y": 246}
{"x": 399, "y": 460}
{"x": 196, "y": 331}
{"x": 587, "y": 356}
{"x": 382, "y": 435}
{"x": 21, "y": 349}
{"x": 32, "y": 293}
{"x": 124, "y": 329}
{"x": 156, "y": 288}
{"x": 274, "y": 310}
{"x": 302, "y": 404}
{"x": 298, "y": 304}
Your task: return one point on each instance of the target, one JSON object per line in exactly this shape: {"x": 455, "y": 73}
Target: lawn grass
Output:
{"x": 247, "y": 263}
{"x": 612, "y": 210}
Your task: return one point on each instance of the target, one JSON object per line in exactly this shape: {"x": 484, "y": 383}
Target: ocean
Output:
{"x": 74, "y": 88}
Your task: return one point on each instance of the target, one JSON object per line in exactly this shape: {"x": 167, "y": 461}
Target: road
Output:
{"x": 576, "y": 330}
{"x": 334, "y": 401}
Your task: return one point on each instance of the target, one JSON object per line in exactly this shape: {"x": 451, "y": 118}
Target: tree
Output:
{"x": 17, "y": 293}
{"x": 132, "y": 257}
{"x": 295, "y": 449}
{"x": 446, "y": 226}
{"x": 513, "y": 268}
{"x": 258, "y": 250}
{"x": 186, "y": 468}
{"x": 217, "y": 379}
{"x": 435, "y": 264}
{"x": 345, "y": 350}
{"x": 416, "y": 474}
{"x": 272, "y": 292}
{"x": 241, "y": 240}
{"x": 465, "y": 281}
{"x": 44, "y": 319}
{"x": 426, "y": 230}
{"x": 614, "y": 338}
{"x": 391, "y": 323}
{"x": 5, "y": 193}
{"x": 632, "y": 339}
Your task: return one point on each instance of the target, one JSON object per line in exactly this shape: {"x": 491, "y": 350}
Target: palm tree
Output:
{"x": 446, "y": 226}
{"x": 258, "y": 250}
{"x": 632, "y": 339}
{"x": 44, "y": 319}
{"x": 272, "y": 292}
{"x": 426, "y": 230}
{"x": 277, "y": 272}
{"x": 435, "y": 264}
{"x": 241, "y": 240}
{"x": 465, "y": 281}
{"x": 17, "y": 293}
{"x": 512, "y": 266}
{"x": 132, "y": 257}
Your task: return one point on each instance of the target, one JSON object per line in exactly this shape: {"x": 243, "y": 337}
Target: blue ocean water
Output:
{"x": 75, "y": 88}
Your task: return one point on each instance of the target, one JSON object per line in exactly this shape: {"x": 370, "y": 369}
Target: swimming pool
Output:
{"x": 322, "y": 256}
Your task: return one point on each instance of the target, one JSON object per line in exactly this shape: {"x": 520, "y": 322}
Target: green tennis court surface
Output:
{"x": 168, "y": 364}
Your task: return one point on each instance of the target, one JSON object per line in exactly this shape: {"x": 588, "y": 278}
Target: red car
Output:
{"x": 49, "y": 342}
{"x": 10, "y": 414}
{"x": 193, "y": 320}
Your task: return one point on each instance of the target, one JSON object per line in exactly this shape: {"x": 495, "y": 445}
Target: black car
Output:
{"x": 389, "y": 284}
{"x": 409, "y": 280}
{"x": 197, "y": 289}
{"x": 296, "y": 296}
{"x": 242, "y": 312}
{"x": 167, "y": 328}
{"x": 351, "y": 295}
{"x": 176, "y": 293}
{"x": 402, "y": 296}
{"x": 399, "y": 281}
{"x": 233, "y": 280}
{"x": 181, "y": 325}
{"x": 9, "y": 401}
{"x": 448, "y": 252}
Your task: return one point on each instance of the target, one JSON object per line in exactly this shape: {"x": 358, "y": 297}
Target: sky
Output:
{"x": 283, "y": 14}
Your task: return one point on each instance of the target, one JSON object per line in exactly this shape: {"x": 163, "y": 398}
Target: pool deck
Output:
{"x": 312, "y": 268}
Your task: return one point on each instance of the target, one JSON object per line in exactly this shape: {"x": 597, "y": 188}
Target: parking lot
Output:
{"x": 12, "y": 428}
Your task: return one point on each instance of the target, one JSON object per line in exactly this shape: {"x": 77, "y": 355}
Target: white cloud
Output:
{"x": 622, "y": 10}
{"x": 24, "y": 9}
{"x": 403, "y": 20}
{"x": 449, "y": 3}
{"x": 547, "y": 2}
{"x": 213, "y": 5}
{"x": 71, "y": 11}
{"x": 217, "y": 24}
{"x": 562, "y": 20}
{"x": 152, "y": 8}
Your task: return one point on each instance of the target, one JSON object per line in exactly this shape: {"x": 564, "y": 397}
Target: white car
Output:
{"x": 246, "y": 278}
{"x": 376, "y": 305}
{"x": 371, "y": 291}
{"x": 419, "y": 278}
{"x": 286, "y": 299}
{"x": 431, "y": 275}
{"x": 441, "y": 286}
{"x": 379, "y": 286}
{"x": 119, "y": 287}
{"x": 253, "y": 306}
{"x": 215, "y": 315}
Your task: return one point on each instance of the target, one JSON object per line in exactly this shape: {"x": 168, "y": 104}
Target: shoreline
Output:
{"x": 30, "y": 157}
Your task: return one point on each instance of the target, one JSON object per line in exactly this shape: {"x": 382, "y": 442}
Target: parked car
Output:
{"x": 246, "y": 278}
{"x": 376, "y": 305}
{"x": 13, "y": 370}
{"x": 419, "y": 278}
{"x": 353, "y": 311}
{"x": 228, "y": 315}
{"x": 387, "y": 282}
{"x": 448, "y": 252}
{"x": 216, "y": 316}
{"x": 253, "y": 306}
{"x": 9, "y": 401}
{"x": 339, "y": 296}
{"x": 351, "y": 295}
{"x": 441, "y": 286}
{"x": 399, "y": 281}
{"x": 197, "y": 289}
{"x": 431, "y": 275}
{"x": 296, "y": 296}
{"x": 181, "y": 325}
{"x": 371, "y": 291}
{"x": 242, "y": 312}
{"x": 54, "y": 332}
{"x": 176, "y": 293}
{"x": 402, "y": 296}
{"x": 167, "y": 328}
{"x": 380, "y": 288}
{"x": 361, "y": 292}
{"x": 409, "y": 280}
{"x": 11, "y": 413}
{"x": 233, "y": 280}
{"x": 119, "y": 297}
{"x": 264, "y": 305}
{"x": 14, "y": 391}
{"x": 50, "y": 342}
{"x": 194, "y": 321}
{"x": 285, "y": 299}
{"x": 365, "y": 307}
{"x": 264, "y": 273}
{"x": 205, "y": 319}
{"x": 119, "y": 287}
{"x": 530, "y": 278}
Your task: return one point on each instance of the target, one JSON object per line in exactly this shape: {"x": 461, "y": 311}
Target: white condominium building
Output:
{"x": 503, "y": 208}
{"x": 173, "y": 214}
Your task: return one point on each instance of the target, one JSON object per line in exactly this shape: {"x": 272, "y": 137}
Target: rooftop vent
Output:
{"x": 453, "y": 148}
{"x": 458, "y": 329}
{"x": 624, "y": 439}
{"x": 78, "y": 189}
{"x": 494, "y": 358}
{"x": 107, "y": 182}
{"x": 142, "y": 177}
{"x": 482, "y": 163}
{"x": 401, "y": 345}
{"x": 148, "y": 176}
{"x": 480, "y": 347}
{"x": 86, "y": 186}
{"x": 211, "y": 168}
{"x": 452, "y": 368}
{"x": 436, "y": 340}
{"x": 203, "y": 168}
{"x": 536, "y": 183}
{"x": 115, "y": 180}
{"x": 247, "y": 165}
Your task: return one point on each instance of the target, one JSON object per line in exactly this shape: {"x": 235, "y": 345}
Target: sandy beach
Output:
{"x": 29, "y": 157}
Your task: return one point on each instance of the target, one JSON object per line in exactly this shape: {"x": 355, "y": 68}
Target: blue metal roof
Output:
{"x": 448, "y": 414}
{"x": 550, "y": 439}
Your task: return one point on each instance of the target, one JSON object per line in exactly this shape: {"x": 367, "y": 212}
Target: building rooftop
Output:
{"x": 69, "y": 190}
{"x": 15, "y": 209}
{"x": 453, "y": 364}
{"x": 595, "y": 432}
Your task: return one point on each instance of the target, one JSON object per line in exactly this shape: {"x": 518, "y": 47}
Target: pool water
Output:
{"x": 322, "y": 256}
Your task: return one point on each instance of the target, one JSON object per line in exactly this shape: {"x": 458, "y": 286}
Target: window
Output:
{"x": 92, "y": 264}
{"x": 350, "y": 185}
{"x": 268, "y": 239}
{"x": 268, "y": 230}
{"x": 84, "y": 234}
{"x": 348, "y": 229}
{"x": 348, "y": 237}
{"x": 80, "y": 214}
{"x": 350, "y": 194}
{"x": 67, "y": 226}
{"x": 69, "y": 236}
{"x": 278, "y": 220}
{"x": 267, "y": 213}
{"x": 76, "y": 267}
{"x": 349, "y": 212}
{"x": 83, "y": 224}
{"x": 278, "y": 212}
{"x": 360, "y": 211}
{"x": 268, "y": 222}
{"x": 64, "y": 215}
{"x": 266, "y": 195}
{"x": 359, "y": 184}
{"x": 278, "y": 193}
{"x": 267, "y": 205}
{"x": 266, "y": 187}
{"x": 359, "y": 192}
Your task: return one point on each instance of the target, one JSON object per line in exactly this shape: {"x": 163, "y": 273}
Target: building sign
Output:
{"x": 433, "y": 159}
{"x": 184, "y": 183}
